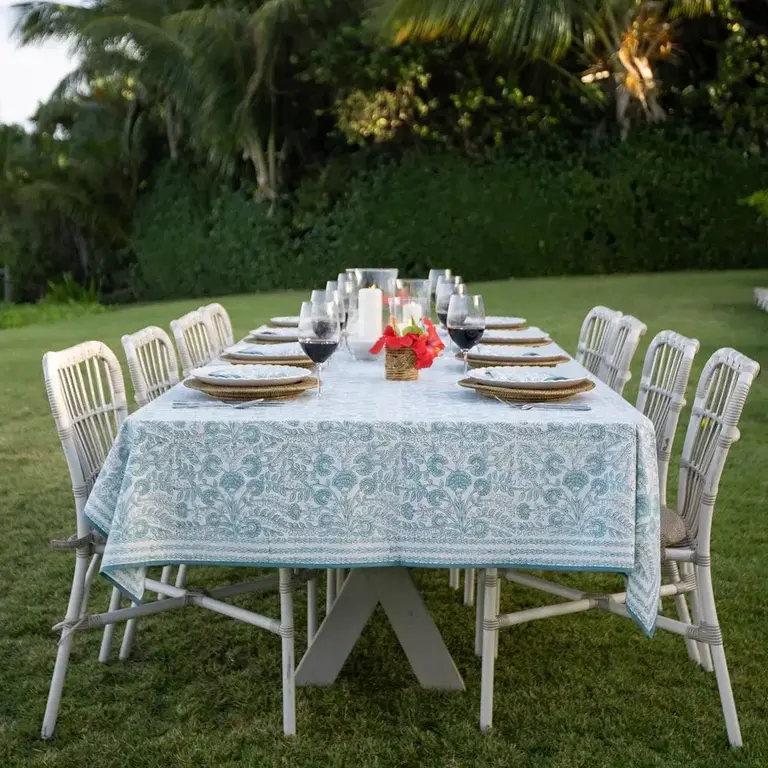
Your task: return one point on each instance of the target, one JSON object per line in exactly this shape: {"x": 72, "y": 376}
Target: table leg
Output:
{"x": 421, "y": 640}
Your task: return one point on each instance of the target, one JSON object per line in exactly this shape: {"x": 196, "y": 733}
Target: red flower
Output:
{"x": 426, "y": 345}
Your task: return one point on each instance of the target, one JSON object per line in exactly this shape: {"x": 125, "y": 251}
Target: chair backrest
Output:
{"x": 221, "y": 323}
{"x": 195, "y": 339}
{"x": 720, "y": 397}
{"x": 666, "y": 371}
{"x": 151, "y": 363}
{"x": 595, "y": 333}
{"x": 620, "y": 347}
{"x": 87, "y": 396}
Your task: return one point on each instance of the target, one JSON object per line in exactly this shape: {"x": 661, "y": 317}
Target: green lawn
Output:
{"x": 201, "y": 690}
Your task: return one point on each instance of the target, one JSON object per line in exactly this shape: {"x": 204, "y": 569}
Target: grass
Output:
{"x": 201, "y": 690}
{"x": 20, "y": 315}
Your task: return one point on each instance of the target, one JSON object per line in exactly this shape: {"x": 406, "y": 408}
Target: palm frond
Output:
{"x": 531, "y": 28}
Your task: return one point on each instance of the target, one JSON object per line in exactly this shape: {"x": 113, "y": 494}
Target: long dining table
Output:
{"x": 380, "y": 477}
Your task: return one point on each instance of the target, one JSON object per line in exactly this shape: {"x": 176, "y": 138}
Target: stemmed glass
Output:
{"x": 466, "y": 322}
{"x": 446, "y": 287}
{"x": 319, "y": 333}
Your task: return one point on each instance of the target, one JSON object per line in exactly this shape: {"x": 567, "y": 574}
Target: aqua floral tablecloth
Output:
{"x": 384, "y": 473}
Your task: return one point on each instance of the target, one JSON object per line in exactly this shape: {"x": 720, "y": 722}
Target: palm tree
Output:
{"x": 221, "y": 72}
{"x": 619, "y": 41}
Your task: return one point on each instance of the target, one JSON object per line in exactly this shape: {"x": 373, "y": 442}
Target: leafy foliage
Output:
{"x": 644, "y": 205}
{"x": 262, "y": 127}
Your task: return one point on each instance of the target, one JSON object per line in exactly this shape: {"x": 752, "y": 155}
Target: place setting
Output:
{"x": 486, "y": 355}
{"x": 283, "y": 353}
{"x": 504, "y": 322}
{"x": 249, "y": 384}
{"x": 273, "y": 335}
{"x": 530, "y": 336}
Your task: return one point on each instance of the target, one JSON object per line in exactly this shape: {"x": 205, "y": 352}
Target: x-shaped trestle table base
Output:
{"x": 362, "y": 591}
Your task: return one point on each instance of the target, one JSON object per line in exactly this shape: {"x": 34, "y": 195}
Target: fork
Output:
{"x": 220, "y": 404}
{"x": 547, "y": 406}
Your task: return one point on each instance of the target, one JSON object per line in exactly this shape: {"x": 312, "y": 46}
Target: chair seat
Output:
{"x": 673, "y": 530}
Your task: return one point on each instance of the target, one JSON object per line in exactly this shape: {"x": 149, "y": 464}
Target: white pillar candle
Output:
{"x": 369, "y": 325}
{"x": 412, "y": 312}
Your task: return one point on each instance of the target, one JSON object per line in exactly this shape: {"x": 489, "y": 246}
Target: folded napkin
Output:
{"x": 288, "y": 349}
{"x": 511, "y": 350}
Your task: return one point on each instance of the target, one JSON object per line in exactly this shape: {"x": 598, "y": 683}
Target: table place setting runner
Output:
{"x": 382, "y": 473}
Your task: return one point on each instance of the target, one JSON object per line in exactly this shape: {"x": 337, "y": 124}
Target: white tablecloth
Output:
{"x": 384, "y": 473}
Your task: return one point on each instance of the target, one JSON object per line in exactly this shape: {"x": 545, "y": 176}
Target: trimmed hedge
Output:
{"x": 646, "y": 205}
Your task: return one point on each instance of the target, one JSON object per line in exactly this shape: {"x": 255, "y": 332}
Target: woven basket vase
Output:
{"x": 400, "y": 365}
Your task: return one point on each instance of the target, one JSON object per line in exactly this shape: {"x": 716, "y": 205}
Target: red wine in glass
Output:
{"x": 319, "y": 350}
{"x": 465, "y": 338}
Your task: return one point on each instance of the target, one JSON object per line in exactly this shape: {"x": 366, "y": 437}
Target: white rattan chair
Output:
{"x": 151, "y": 363}
{"x": 222, "y": 325}
{"x": 87, "y": 396}
{"x": 195, "y": 339}
{"x": 595, "y": 334}
{"x": 685, "y": 538}
{"x": 661, "y": 396}
{"x": 761, "y": 298}
{"x": 620, "y": 346}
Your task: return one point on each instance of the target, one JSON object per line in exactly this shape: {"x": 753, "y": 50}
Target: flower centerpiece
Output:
{"x": 408, "y": 349}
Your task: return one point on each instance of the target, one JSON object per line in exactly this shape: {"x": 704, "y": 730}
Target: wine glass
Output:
{"x": 332, "y": 285}
{"x": 334, "y": 297}
{"x": 319, "y": 333}
{"x": 466, "y": 322}
{"x": 446, "y": 287}
{"x": 319, "y": 296}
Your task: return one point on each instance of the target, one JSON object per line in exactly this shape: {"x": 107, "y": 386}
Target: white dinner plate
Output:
{"x": 522, "y": 377}
{"x": 513, "y": 351}
{"x": 511, "y": 336}
{"x": 502, "y": 321}
{"x": 285, "y": 322}
{"x": 249, "y": 375}
{"x": 265, "y": 333}
{"x": 289, "y": 349}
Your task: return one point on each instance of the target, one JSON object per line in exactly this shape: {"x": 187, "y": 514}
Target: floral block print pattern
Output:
{"x": 383, "y": 473}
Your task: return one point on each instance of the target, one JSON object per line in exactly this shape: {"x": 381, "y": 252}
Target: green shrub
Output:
{"x": 67, "y": 290}
{"x": 645, "y": 205}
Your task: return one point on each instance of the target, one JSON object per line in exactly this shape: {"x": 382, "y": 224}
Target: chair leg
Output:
{"x": 704, "y": 653}
{"x": 497, "y": 611}
{"x": 109, "y": 631}
{"x": 709, "y": 615}
{"x": 181, "y": 576}
{"x": 286, "y": 635}
{"x": 165, "y": 578}
{"x": 330, "y": 590}
{"x": 340, "y": 574}
{"x": 128, "y": 635}
{"x": 454, "y": 579}
{"x": 479, "y": 607}
{"x": 311, "y": 609}
{"x": 469, "y": 586}
{"x": 490, "y": 629}
{"x": 670, "y": 570}
{"x": 93, "y": 569}
{"x": 65, "y": 646}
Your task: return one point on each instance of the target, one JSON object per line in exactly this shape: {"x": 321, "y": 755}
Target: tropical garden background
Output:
{"x": 239, "y": 145}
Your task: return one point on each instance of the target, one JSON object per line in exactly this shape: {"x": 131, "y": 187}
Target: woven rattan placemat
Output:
{"x": 518, "y": 342}
{"x": 240, "y": 394}
{"x": 528, "y": 395}
{"x": 542, "y": 362}
{"x": 235, "y": 359}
